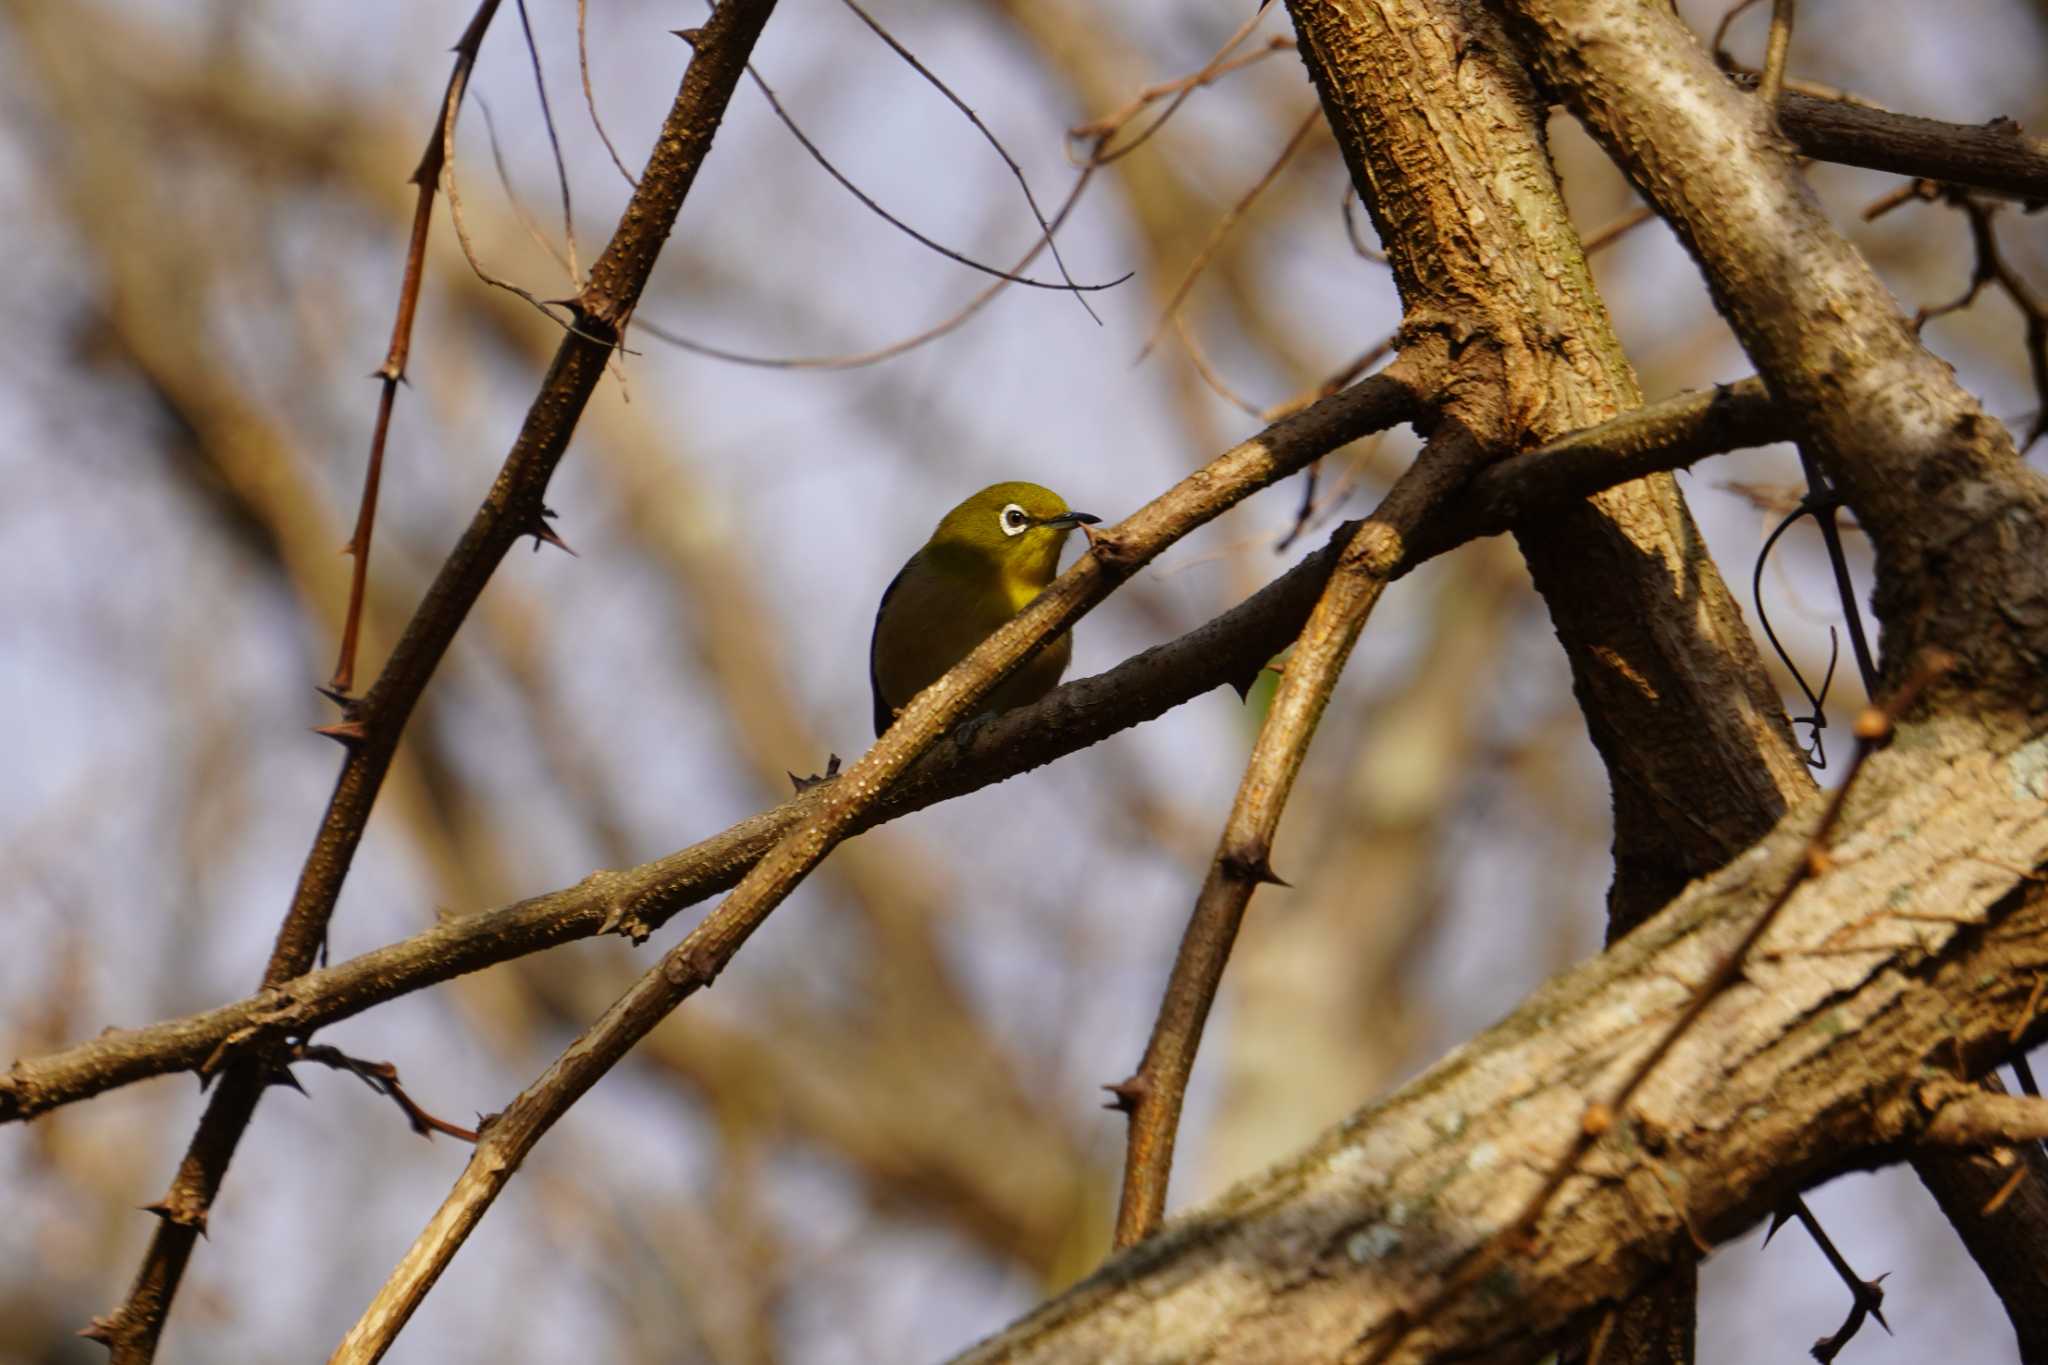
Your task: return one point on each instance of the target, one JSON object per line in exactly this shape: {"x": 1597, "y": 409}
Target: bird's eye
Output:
{"x": 1014, "y": 519}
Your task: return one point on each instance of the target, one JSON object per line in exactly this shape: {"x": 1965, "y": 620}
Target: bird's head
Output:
{"x": 1016, "y": 527}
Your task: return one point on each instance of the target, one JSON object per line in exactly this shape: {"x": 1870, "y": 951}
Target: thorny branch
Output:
{"x": 381, "y": 1077}
{"x": 425, "y": 177}
{"x": 373, "y": 724}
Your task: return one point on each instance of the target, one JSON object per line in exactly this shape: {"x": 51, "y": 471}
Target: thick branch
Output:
{"x": 1994, "y": 156}
{"x": 1960, "y": 526}
{"x": 1914, "y": 949}
{"x": 636, "y": 901}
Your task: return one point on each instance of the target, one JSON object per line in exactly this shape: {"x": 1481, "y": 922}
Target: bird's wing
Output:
{"x": 883, "y": 713}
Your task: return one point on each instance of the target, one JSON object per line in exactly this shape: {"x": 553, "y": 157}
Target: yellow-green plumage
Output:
{"x": 988, "y": 558}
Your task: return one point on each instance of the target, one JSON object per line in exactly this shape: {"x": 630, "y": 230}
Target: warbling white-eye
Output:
{"x": 988, "y": 558}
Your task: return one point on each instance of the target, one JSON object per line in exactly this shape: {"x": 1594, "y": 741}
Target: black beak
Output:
{"x": 1066, "y": 521}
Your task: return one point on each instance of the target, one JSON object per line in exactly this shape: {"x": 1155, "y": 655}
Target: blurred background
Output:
{"x": 881, "y": 1137}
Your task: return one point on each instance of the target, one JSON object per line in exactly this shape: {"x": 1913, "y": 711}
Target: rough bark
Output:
{"x": 1914, "y": 952}
{"x": 1443, "y": 133}
{"x": 1959, "y": 524}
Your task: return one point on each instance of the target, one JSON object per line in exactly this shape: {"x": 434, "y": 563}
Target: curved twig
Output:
{"x": 1016, "y": 170}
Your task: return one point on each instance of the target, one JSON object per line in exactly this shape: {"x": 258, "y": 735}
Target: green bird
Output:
{"x": 988, "y": 559}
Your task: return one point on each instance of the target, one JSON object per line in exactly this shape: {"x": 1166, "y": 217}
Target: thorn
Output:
{"x": 283, "y": 1076}
{"x": 100, "y": 1330}
{"x": 544, "y": 534}
{"x": 171, "y": 1213}
{"x": 347, "y": 733}
{"x": 1126, "y": 1094}
{"x": 340, "y": 698}
{"x": 688, "y": 35}
{"x": 624, "y": 919}
{"x": 1778, "y": 1220}
{"x": 1255, "y": 868}
{"x": 690, "y": 971}
{"x": 1876, "y": 1292}
{"x": 804, "y": 784}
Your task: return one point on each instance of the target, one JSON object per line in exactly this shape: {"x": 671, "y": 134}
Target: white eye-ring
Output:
{"x": 1013, "y": 520}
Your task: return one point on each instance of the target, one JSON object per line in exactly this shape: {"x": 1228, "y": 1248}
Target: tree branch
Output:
{"x": 1243, "y": 859}
{"x": 1909, "y": 948}
{"x": 636, "y": 901}
{"x": 1935, "y": 483}
{"x": 1994, "y": 156}
{"x": 373, "y": 725}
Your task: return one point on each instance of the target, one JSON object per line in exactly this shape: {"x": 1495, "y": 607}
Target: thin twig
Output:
{"x": 1102, "y": 130}
{"x": 867, "y": 201}
{"x": 1152, "y": 1096}
{"x": 1990, "y": 267}
{"x": 858, "y": 359}
{"x": 1208, "y": 375}
{"x": 381, "y": 1077}
{"x": 1772, "y": 87}
{"x": 1221, "y": 229}
{"x": 1098, "y": 131}
{"x": 1015, "y": 170}
{"x": 453, "y": 193}
{"x": 1359, "y": 245}
{"x": 425, "y": 178}
{"x": 519, "y": 211}
{"x": 1602, "y": 238}
{"x": 547, "y": 116}
{"x": 1719, "y": 45}
{"x": 1873, "y": 730}
{"x": 590, "y": 98}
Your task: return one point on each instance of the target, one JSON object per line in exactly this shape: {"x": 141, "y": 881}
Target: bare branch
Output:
{"x": 1996, "y": 156}
{"x": 425, "y": 178}
{"x": 868, "y": 202}
{"x": 547, "y": 116}
{"x": 512, "y": 510}
{"x": 1309, "y": 123}
{"x": 1243, "y": 859}
{"x": 589, "y": 97}
{"x": 636, "y": 901}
